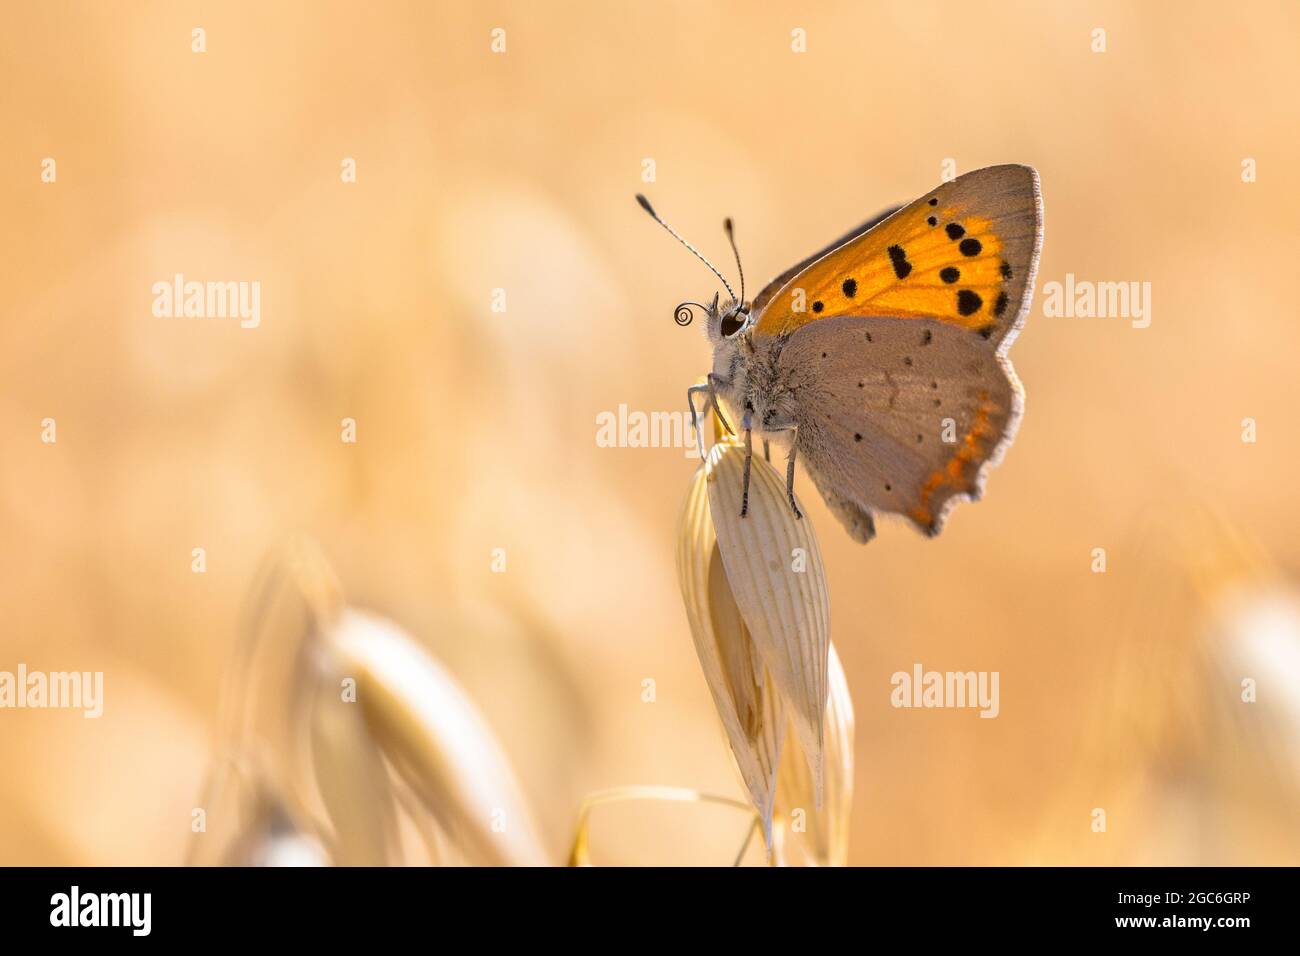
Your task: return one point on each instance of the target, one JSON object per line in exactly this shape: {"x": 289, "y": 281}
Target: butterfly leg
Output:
{"x": 713, "y": 399}
{"x": 789, "y": 480}
{"x": 744, "y": 494}
{"x": 711, "y": 403}
{"x": 789, "y": 471}
{"x": 767, "y": 451}
{"x": 695, "y": 418}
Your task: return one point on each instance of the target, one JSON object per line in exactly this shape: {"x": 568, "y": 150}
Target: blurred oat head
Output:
{"x": 344, "y": 741}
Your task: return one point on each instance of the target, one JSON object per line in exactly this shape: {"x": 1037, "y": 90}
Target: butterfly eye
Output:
{"x": 731, "y": 324}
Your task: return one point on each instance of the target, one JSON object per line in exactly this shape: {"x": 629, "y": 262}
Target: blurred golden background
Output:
{"x": 479, "y": 171}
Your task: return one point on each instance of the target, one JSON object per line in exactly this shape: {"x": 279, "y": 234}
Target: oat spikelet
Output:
{"x": 775, "y": 570}
{"x": 824, "y": 839}
{"x": 751, "y": 711}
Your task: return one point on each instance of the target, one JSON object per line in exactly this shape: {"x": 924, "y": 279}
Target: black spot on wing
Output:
{"x": 898, "y": 257}
{"x": 955, "y": 231}
{"x": 971, "y": 247}
{"x": 850, "y": 288}
{"x": 950, "y": 275}
{"x": 968, "y": 302}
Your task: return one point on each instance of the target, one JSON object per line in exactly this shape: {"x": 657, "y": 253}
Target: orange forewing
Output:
{"x": 961, "y": 254}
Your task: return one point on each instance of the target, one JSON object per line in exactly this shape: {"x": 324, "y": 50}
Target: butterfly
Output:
{"x": 882, "y": 358}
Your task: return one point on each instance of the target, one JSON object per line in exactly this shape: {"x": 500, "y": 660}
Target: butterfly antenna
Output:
{"x": 731, "y": 235}
{"x": 645, "y": 204}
